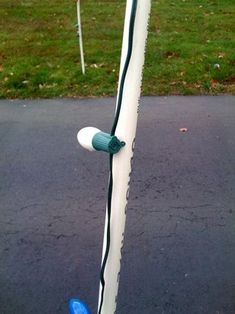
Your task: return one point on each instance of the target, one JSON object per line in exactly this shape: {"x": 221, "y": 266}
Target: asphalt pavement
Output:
{"x": 179, "y": 249}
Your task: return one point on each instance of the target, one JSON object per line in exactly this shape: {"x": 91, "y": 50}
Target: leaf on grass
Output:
{"x": 158, "y": 31}
{"x": 221, "y": 55}
{"x": 214, "y": 82}
{"x": 217, "y": 66}
{"x": 229, "y": 80}
{"x": 171, "y": 54}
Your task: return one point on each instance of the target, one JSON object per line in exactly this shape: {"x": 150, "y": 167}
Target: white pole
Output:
{"x": 124, "y": 128}
{"x": 79, "y": 32}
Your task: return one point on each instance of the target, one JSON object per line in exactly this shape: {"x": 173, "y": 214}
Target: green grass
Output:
{"x": 39, "y": 52}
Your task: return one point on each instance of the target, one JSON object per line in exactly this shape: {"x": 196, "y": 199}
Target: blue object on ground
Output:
{"x": 77, "y": 306}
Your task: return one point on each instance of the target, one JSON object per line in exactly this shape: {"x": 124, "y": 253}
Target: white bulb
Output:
{"x": 85, "y": 137}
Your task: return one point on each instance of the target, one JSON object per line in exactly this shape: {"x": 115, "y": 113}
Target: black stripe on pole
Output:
{"x": 126, "y": 65}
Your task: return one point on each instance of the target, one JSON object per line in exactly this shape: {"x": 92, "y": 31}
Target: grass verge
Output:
{"x": 190, "y": 51}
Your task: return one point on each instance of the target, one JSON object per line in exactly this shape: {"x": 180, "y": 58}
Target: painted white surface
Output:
{"x": 126, "y": 129}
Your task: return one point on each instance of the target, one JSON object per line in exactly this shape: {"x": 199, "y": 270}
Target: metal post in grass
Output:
{"x": 79, "y": 34}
